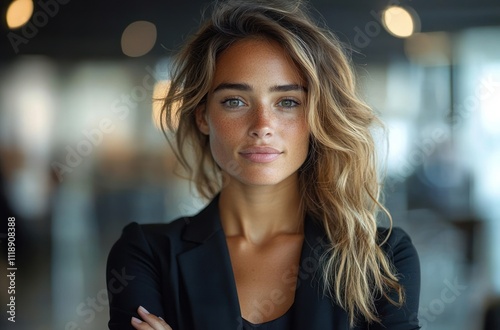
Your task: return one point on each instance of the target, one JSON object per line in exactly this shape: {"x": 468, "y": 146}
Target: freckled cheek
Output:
{"x": 304, "y": 148}
{"x": 300, "y": 144}
{"x": 299, "y": 133}
{"x": 222, "y": 143}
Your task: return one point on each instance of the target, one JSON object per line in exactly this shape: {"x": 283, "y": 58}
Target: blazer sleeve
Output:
{"x": 403, "y": 255}
{"x": 133, "y": 278}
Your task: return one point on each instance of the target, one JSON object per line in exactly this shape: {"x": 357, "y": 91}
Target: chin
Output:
{"x": 262, "y": 179}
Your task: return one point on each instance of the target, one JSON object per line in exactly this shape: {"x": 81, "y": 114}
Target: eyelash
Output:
{"x": 226, "y": 101}
{"x": 294, "y": 103}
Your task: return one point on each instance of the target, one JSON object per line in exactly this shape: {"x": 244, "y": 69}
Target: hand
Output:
{"x": 149, "y": 321}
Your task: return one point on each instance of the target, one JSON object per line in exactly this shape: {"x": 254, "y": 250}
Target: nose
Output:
{"x": 262, "y": 123}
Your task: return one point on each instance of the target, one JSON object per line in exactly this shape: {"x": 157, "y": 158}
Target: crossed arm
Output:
{"x": 149, "y": 321}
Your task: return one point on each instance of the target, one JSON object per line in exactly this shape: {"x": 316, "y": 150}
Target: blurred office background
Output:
{"x": 81, "y": 154}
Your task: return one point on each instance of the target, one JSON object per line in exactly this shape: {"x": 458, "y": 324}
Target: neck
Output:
{"x": 260, "y": 213}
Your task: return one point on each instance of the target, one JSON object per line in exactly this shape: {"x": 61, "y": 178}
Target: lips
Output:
{"x": 260, "y": 154}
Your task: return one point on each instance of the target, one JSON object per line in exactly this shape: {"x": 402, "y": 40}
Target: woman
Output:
{"x": 272, "y": 132}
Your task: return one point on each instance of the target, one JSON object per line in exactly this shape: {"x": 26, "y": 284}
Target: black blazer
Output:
{"x": 182, "y": 272}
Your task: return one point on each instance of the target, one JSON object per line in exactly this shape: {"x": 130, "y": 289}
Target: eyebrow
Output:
{"x": 288, "y": 88}
{"x": 238, "y": 87}
{"x": 247, "y": 88}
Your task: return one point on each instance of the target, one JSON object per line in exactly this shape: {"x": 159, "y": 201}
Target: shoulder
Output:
{"x": 402, "y": 254}
{"x": 153, "y": 239}
{"x": 156, "y": 230}
{"x": 396, "y": 243}
{"x": 176, "y": 236}
{"x": 400, "y": 251}
{"x": 393, "y": 235}
{"x": 152, "y": 235}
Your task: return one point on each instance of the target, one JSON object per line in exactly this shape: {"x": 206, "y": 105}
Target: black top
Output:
{"x": 281, "y": 323}
{"x": 182, "y": 272}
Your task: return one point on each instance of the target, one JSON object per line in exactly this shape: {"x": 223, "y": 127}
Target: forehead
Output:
{"x": 256, "y": 59}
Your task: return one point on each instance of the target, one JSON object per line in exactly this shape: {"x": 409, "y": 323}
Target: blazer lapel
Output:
{"x": 207, "y": 273}
{"x": 211, "y": 289}
{"x": 312, "y": 310}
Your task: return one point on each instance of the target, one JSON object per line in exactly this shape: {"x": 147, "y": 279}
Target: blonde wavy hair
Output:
{"x": 338, "y": 181}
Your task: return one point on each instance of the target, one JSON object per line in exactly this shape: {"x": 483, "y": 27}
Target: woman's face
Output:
{"x": 255, "y": 114}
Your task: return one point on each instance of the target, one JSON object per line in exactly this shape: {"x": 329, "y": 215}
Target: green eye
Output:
{"x": 233, "y": 103}
{"x": 288, "y": 103}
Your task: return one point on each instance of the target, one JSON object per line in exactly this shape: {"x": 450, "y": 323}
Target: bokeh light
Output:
{"x": 399, "y": 21}
{"x": 19, "y": 13}
{"x": 138, "y": 38}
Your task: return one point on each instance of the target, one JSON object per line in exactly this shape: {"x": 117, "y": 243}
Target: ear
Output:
{"x": 201, "y": 119}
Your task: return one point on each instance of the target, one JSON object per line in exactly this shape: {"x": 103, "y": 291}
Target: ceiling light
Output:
{"x": 138, "y": 38}
{"x": 19, "y": 13}
{"x": 400, "y": 22}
